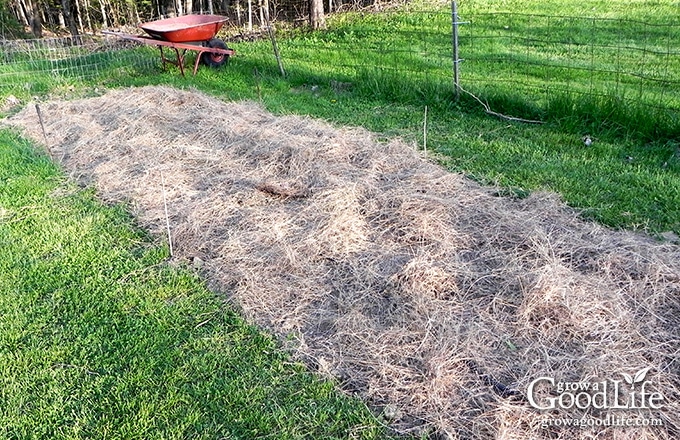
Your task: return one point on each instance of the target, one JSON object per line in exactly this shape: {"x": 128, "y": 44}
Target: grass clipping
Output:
{"x": 432, "y": 298}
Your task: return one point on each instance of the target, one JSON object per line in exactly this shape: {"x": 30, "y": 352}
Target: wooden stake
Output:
{"x": 425, "y": 131}
{"x": 256, "y": 74}
{"x": 42, "y": 126}
{"x": 167, "y": 217}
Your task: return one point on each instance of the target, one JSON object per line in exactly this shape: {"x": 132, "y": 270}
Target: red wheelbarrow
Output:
{"x": 188, "y": 32}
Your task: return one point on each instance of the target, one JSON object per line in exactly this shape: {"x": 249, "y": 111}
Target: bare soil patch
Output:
{"x": 420, "y": 291}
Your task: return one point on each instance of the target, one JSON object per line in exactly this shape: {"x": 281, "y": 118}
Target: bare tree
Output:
{"x": 68, "y": 12}
{"x": 88, "y": 20}
{"x": 317, "y": 19}
{"x": 36, "y": 22}
{"x": 105, "y": 20}
{"x": 250, "y": 15}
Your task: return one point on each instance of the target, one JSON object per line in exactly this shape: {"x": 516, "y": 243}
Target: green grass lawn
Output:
{"x": 100, "y": 338}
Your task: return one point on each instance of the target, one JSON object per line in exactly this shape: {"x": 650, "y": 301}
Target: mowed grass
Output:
{"x": 101, "y": 338}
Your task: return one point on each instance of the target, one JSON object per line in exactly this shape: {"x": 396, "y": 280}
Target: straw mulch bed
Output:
{"x": 420, "y": 291}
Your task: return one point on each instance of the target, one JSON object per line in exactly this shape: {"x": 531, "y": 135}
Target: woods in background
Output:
{"x": 83, "y": 16}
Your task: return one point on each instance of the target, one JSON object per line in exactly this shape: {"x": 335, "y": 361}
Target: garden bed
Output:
{"x": 435, "y": 299}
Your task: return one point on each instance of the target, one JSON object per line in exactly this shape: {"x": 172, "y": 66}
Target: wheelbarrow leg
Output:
{"x": 198, "y": 60}
{"x": 163, "y": 60}
{"x": 180, "y": 60}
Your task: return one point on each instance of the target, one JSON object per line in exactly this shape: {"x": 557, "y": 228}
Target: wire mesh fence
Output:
{"x": 381, "y": 51}
{"x": 36, "y": 65}
{"x": 541, "y": 56}
{"x": 407, "y": 51}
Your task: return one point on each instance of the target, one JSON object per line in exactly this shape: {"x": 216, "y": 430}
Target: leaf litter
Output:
{"x": 416, "y": 289}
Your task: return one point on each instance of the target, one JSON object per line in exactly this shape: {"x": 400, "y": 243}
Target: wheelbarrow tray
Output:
{"x": 184, "y": 29}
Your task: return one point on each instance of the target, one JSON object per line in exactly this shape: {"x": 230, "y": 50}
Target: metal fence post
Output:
{"x": 456, "y": 60}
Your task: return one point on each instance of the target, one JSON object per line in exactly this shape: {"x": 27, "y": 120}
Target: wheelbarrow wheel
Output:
{"x": 215, "y": 59}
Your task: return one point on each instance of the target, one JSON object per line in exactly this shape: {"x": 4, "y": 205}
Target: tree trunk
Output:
{"x": 317, "y": 19}
{"x": 133, "y": 13}
{"x": 80, "y": 17}
{"x": 36, "y": 22}
{"x": 238, "y": 13}
{"x": 88, "y": 20}
{"x": 22, "y": 12}
{"x": 250, "y": 15}
{"x": 105, "y": 20}
{"x": 139, "y": 19}
{"x": 46, "y": 17}
{"x": 69, "y": 19}
{"x": 115, "y": 12}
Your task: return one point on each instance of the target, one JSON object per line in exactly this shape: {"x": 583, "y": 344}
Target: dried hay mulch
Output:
{"x": 422, "y": 292}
